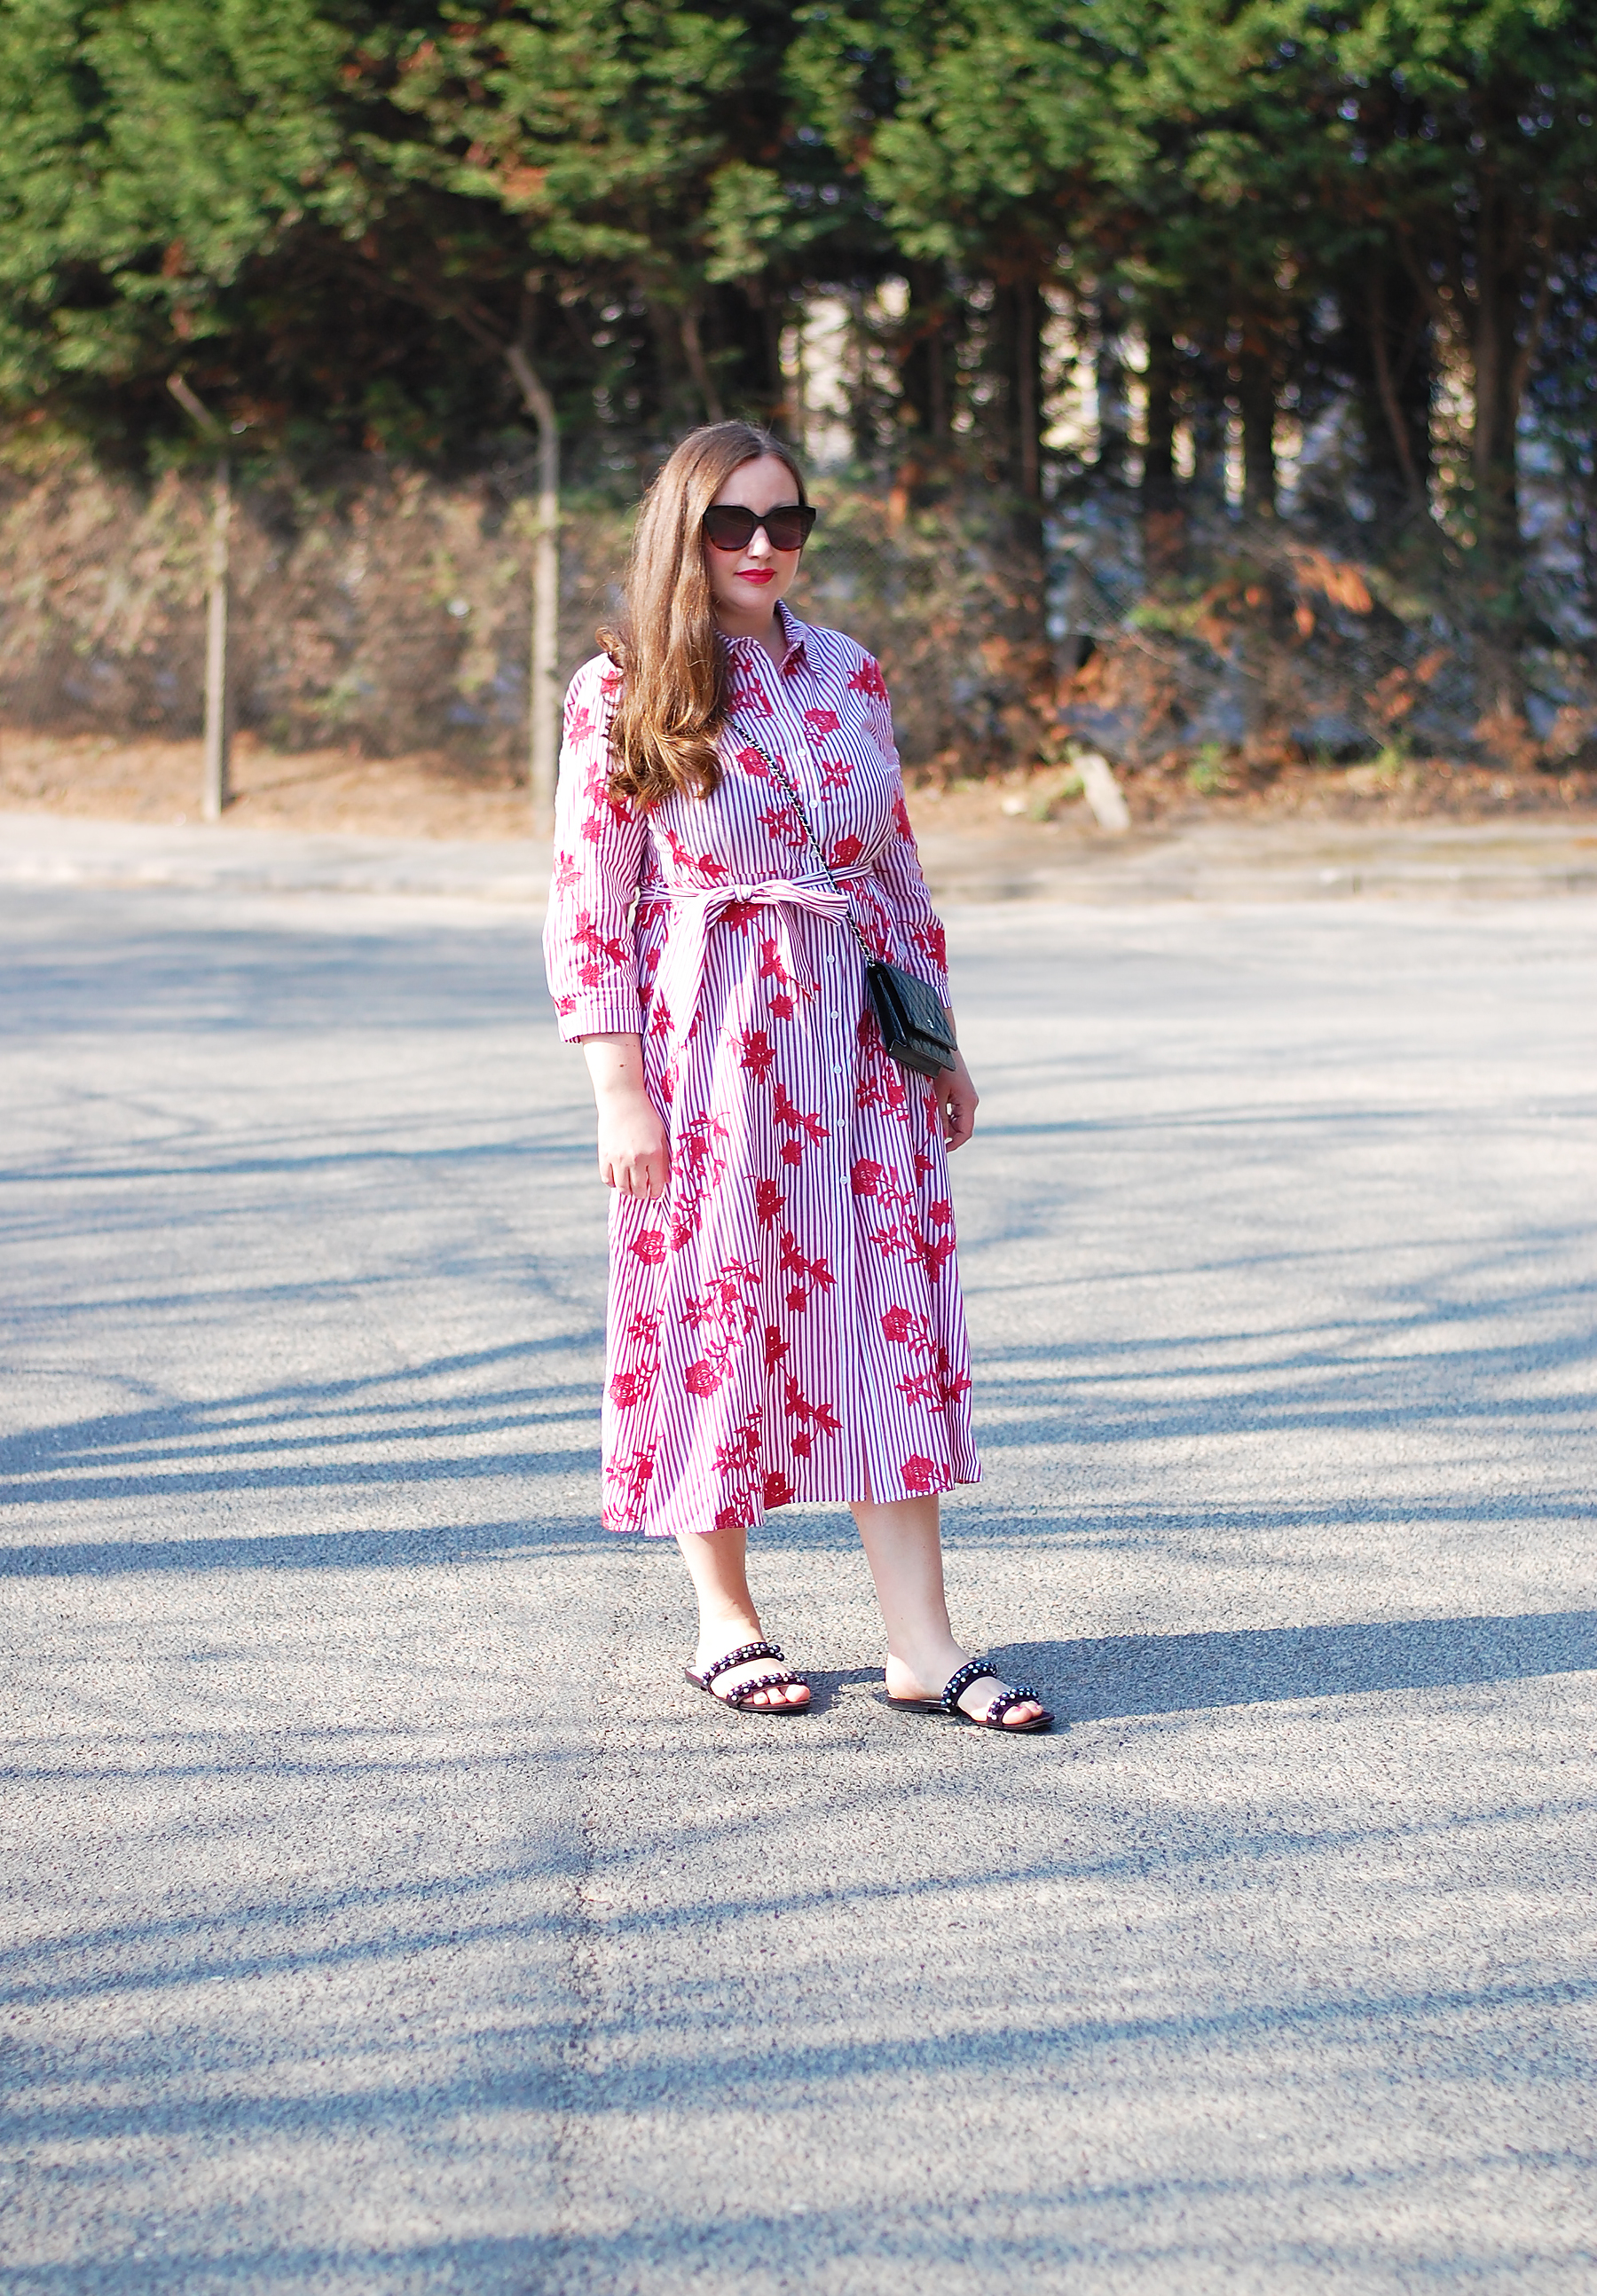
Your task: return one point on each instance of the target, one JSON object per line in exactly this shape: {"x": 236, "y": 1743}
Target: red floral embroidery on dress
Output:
{"x": 938, "y": 1381}
{"x": 758, "y": 1054}
{"x": 778, "y": 1491}
{"x": 900, "y": 1235}
{"x": 819, "y": 723}
{"x": 649, "y": 1246}
{"x": 807, "y": 1126}
{"x": 882, "y": 1085}
{"x": 586, "y": 935}
{"x": 771, "y": 966}
{"x": 633, "y": 1383}
{"x": 783, "y": 827}
{"x": 921, "y": 1476}
{"x": 753, "y": 761}
{"x": 629, "y": 1479}
{"x": 810, "y": 1276}
{"x": 566, "y": 873}
{"x": 748, "y": 693}
{"x": 698, "y": 1167}
{"x": 901, "y": 821}
{"x": 741, "y": 1454}
{"x": 702, "y": 865}
{"x": 728, "y": 1315}
{"x": 932, "y": 942}
{"x": 604, "y": 810}
{"x": 876, "y": 928}
{"x": 768, "y": 1201}
{"x": 868, "y": 679}
{"x": 846, "y": 851}
{"x": 818, "y": 1417}
{"x": 836, "y": 772}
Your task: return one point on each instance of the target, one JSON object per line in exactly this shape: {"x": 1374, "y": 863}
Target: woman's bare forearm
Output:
{"x": 635, "y": 1155}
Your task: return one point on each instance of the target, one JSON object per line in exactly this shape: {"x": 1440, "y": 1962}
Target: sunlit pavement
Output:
{"x": 383, "y": 1913}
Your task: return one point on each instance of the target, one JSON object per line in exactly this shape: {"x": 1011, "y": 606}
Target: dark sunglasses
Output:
{"x": 728, "y": 526}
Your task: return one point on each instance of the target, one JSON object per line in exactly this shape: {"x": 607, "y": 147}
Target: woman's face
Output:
{"x": 745, "y": 585}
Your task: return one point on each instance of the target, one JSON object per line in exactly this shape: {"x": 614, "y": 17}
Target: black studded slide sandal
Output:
{"x": 741, "y": 1698}
{"x": 958, "y": 1684}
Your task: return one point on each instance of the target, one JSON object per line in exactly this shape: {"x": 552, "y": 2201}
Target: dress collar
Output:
{"x": 795, "y": 655}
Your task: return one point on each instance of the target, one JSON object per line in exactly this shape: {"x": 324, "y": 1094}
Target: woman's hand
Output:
{"x": 634, "y": 1154}
{"x": 957, "y": 1098}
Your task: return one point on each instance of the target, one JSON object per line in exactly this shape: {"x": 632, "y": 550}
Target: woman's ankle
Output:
{"x": 725, "y": 1630}
{"x": 927, "y": 1661}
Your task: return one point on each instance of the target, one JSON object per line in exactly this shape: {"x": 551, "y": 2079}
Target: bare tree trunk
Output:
{"x": 1504, "y": 346}
{"x": 1114, "y": 437}
{"x": 1162, "y": 521}
{"x": 1385, "y": 383}
{"x": 1028, "y": 459}
{"x": 692, "y": 347}
{"x": 214, "y": 789}
{"x": 1257, "y": 393}
{"x": 218, "y": 728}
{"x": 544, "y": 679}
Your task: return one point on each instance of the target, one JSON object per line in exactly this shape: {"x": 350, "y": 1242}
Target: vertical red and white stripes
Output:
{"x": 787, "y": 1325}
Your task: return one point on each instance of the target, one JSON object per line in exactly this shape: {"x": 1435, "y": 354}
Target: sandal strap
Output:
{"x": 740, "y": 1658}
{"x": 741, "y": 1690}
{"x": 957, "y": 1684}
{"x": 1005, "y": 1699}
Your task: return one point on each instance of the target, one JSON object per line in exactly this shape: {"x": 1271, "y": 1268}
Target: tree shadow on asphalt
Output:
{"x": 1115, "y": 1677}
{"x": 479, "y": 1416}
{"x": 133, "y": 971}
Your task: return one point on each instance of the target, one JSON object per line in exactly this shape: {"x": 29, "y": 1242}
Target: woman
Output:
{"x": 785, "y": 1321}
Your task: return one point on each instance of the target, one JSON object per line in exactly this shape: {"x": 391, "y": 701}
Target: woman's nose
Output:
{"x": 759, "y": 544}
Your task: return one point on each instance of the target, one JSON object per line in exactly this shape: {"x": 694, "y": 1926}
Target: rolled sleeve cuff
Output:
{"x": 600, "y": 1012}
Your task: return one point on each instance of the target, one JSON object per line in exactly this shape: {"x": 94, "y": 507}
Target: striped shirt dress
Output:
{"x": 786, "y": 1326}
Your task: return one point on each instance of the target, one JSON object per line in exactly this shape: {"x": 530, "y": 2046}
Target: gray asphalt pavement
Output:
{"x": 382, "y": 1913}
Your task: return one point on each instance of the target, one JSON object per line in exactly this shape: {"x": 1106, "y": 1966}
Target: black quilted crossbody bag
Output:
{"x": 914, "y": 1027}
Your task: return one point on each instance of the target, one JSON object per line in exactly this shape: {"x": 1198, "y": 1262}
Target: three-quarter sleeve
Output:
{"x": 922, "y": 944}
{"x": 590, "y": 957}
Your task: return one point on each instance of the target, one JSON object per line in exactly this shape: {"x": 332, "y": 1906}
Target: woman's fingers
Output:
{"x": 959, "y": 1111}
{"x": 643, "y": 1176}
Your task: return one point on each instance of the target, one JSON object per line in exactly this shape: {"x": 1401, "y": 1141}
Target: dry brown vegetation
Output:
{"x": 428, "y": 794}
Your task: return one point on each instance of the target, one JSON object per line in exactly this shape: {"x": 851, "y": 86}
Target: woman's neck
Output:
{"x": 773, "y": 636}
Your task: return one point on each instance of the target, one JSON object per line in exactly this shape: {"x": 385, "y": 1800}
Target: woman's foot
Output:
{"x": 728, "y": 1687}
{"x": 927, "y": 1679}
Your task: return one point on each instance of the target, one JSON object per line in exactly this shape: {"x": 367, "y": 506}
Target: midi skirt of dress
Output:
{"x": 786, "y": 1326}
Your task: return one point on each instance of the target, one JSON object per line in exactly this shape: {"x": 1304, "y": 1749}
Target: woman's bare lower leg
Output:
{"x": 717, "y": 1565}
{"x": 904, "y": 1548}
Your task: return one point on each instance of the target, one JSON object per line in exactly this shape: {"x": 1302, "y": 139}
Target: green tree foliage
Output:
{"x": 337, "y": 217}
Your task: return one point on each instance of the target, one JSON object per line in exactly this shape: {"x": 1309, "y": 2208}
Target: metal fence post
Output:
{"x": 544, "y": 679}
{"x": 218, "y": 745}
{"x": 215, "y": 790}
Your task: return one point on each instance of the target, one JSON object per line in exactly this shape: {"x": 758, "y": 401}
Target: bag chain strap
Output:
{"x": 771, "y": 766}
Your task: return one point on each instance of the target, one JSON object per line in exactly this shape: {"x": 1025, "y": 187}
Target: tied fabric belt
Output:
{"x": 677, "y": 982}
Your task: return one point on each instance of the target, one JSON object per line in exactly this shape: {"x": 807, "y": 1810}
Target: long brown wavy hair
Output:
{"x": 675, "y": 681}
